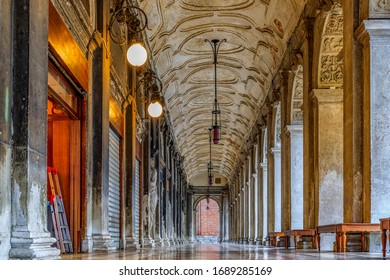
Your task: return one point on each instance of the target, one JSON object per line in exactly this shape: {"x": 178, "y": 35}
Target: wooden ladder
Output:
{"x": 60, "y": 222}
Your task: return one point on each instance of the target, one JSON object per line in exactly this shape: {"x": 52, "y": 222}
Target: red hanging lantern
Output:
{"x": 216, "y": 134}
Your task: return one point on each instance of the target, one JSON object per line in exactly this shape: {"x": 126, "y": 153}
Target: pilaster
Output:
{"x": 29, "y": 236}
{"x": 295, "y": 132}
{"x": 328, "y": 131}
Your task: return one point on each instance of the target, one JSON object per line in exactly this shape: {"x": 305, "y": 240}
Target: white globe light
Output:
{"x": 137, "y": 54}
{"x": 155, "y": 109}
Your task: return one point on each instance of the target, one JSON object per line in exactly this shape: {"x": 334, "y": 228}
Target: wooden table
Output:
{"x": 273, "y": 236}
{"x": 341, "y": 231}
{"x": 299, "y": 233}
{"x": 385, "y": 226}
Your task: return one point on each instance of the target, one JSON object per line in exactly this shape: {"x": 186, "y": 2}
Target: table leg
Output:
{"x": 318, "y": 242}
{"x": 363, "y": 242}
{"x": 295, "y": 241}
{"x": 384, "y": 242}
{"x": 312, "y": 242}
{"x": 338, "y": 241}
{"x": 344, "y": 241}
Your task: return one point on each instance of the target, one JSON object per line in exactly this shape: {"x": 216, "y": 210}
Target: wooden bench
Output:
{"x": 272, "y": 237}
{"x": 341, "y": 231}
{"x": 296, "y": 233}
{"x": 385, "y": 226}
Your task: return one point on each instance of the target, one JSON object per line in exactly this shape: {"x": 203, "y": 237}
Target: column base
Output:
{"x": 166, "y": 242}
{"x": 132, "y": 243}
{"x": 33, "y": 246}
{"x": 148, "y": 243}
{"x": 103, "y": 244}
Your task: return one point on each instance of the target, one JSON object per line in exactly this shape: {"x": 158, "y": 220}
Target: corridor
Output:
{"x": 195, "y": 130}
{"x": 224, "y": 252}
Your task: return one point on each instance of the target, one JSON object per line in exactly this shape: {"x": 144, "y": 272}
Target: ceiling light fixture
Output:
{"x": 216, "y": 113}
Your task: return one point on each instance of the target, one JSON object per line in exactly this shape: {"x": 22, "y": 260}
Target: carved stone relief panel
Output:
{"x": 330, "y": 66}
{"x": 297, "y": 96}
{"x": 379, "y": 8}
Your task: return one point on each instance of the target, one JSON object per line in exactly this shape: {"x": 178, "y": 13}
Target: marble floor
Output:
{"x": 224, "y": 251}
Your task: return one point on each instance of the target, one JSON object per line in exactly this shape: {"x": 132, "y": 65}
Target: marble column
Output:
{"x": 5, "y": 127}
{"x": 242, "y": 215}
{"x": 270, "y": 192}
{"x": 375, "y": 37}
{"x": 226, "y": 216}
{"x": 328, "y": 128}
{"x": 259, "y": 220}
{"x": 27, "y": 196}
{"x": 353, "y": 113}
{"x": 296, "y": 174}
{"x": 245, "y": 187}
{"x": 254, "y": 206}
{"x": 101, "y": 62}
{"x": 265, "y": 199}
{"x": 190, "y": 217}
{"x": 310, "y": 215}
{"x": 248, "y": 200}
{"x": 277, "y": 189}
{"x": 236, "y": 218}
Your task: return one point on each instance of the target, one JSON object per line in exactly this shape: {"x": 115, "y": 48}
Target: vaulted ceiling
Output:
{"x": 256, "y": 33}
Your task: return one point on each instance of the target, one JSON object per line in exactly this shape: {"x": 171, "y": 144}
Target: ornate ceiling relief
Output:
{"x": 256, "y": 33}
{"x": 330, "y": 66}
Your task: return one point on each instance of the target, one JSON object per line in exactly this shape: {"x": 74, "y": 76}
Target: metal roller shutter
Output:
{"x": 136, "y": 198}
{"x": 114, "y": 188}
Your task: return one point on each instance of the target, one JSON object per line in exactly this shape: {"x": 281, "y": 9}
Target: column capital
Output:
{"x": 373, "y": 30}
{"x": 275, "y": 150}
{"x": 327, "y": 95}
{"x": 294, "y": 128}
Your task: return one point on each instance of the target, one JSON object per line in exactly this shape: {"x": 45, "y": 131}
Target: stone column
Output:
{"x": 277, "y": 189}
{"x": 265, "y": 199}
{"x": 328, "y": 128}
{"x": 100, "y": 125}
{"x": 260, "y": 187}
{"x": 28, "y": 83}
{"x": 132, "y": 240}
{"x": 259, "y": 220}
{"x": 353, "y": 114}
{"x": 254, "y": 207}
{"x": 226, "y": 215}
{"x": 248, "y": 200}
{"x": 295, "y": 132}
{"x": 270, "y": 192}
{"x": 5, "y": 127}
{"x": 245, "y": 189}
{"x": 375, "y": 37}
{"x": 310, "y": 215}
{"x": 189, "y": 217}
{"x": 242, "y": 209}
{"x": 236, "y": 220}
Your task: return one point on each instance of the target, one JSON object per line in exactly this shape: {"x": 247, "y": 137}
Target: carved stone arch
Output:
{"x": 297, "y": 96}
{"x": 199, "y": 199}
{"x": 328, "y": 46}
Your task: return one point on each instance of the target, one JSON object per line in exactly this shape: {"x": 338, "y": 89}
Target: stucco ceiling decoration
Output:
{"x": 256, "y": 34}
